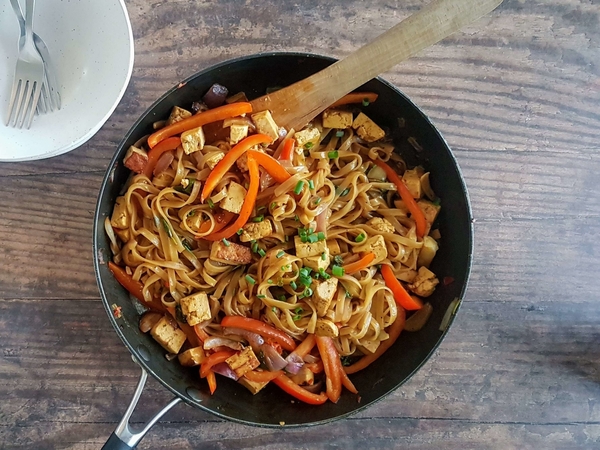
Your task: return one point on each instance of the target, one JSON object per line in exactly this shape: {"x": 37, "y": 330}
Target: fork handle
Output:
{"x": 29, "y": 7}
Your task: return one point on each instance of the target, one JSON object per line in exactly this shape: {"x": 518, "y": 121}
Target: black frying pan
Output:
{"x": 253, "y": 75}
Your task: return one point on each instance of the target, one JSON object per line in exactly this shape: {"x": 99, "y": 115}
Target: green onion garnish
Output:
{"x": 273, "y": 205}
{"x": 339, "y": 133}
{"x": 361, "y": 237}
{"x": 348, "y": 294}
{"x": 261, "y": 252}
{"x": 345, "y": 192}
{"x": 311, "y": 184}
{"x": 324, "y": 274}
{"x": 280, "y": 254}
{"x": 167, "y": 228}
{"x": 226, "y": 242}
{"x": 261, "y": 296}
{"x": 324, "y": 256}
{"x": 191, "y": 213}
{"x": 250, "y": 280}
{"x": 296, "y": 218}
{"x": 299, "y": 187}
{"x": 211, "y": 204}
{"x": 313, "y": 238}
{"x": 293, "y": 285}
{"x": 305, "y": 271}
{"x": 258, "y": 218}
{"x": 186, "y": 244}
{"x": 321, "y": 236}
{"x": 274, "y": 309}
{"x": 285, "y": 267}
{"x": 333, "y": 155}
{"x": 338, "y": 260}
{"x": 282, "y": 298}
{"x": 318, "y": 200}
{"x": 365, "y": 102}
{"x": 309, "y": 145}
{"x": 254, "y": 246}
{"x": 337, "y": 271}
{"x": 240, "y": 231}
{"x": 270, "y": 281}
{"x": 308, "y": 292}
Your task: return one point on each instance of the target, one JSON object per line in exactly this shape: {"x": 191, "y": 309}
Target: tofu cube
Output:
{"x": 120, "y": 216}
{"x": 265, "y": 124}
{"x": 366, "y": 129}
{"x": 256, "y": 230}
{"x": 169, "y": 337}
{"x": 243, "y": 362}
{"x": 370, "y": 346}
{"x": 232, "y": 254}
{"x": 412, "y": 180}
{"x": 309, "y": 136}
{"x": 425, "y": 282}
{"x": 430, "y": 210}
{"x": 337, "y": 118}
{"x": 237, "y": 133}
{"x": 334, "y": 247}
{"x": 177, "y": 115}
{"x": 375, "y": 244}
{"x": 407, "y": 276}
{"x": 252, "y": 386}
{"x": 327, "y": 328}
{"x": 323, "y": 295}
{"x": 427, "y": 252}
{"x": 234, "y": 198}
{"x": 195, "y": 308}
{"x": 192, "y": 140}
{"x": 212, "y": 159}
{"x": 306, "y": 249}
{"x": 135, "y": 159}
{"x": 192, "y": 357}
{"x": 317, "y": 262}
{"x": 242, "y": 161}
{"x": 124, "y": 235}
{"x": 239, "y": 97}
{"x": 305, "y": 376}
{"x": 383, "y": 225}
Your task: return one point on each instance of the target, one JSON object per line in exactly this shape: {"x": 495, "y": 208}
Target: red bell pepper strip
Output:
{"x": 155, "y": 153}
{"x": 262, "y": 328}
{"x": 333, "y": 376}
{"x": 306, "y": 346}
{"x": 315, "y": 367}
{"x": 262, "y": 376}
{"x": 200, "y": 333}
{"x": 299, "y": 392}
{"x": 134, "y": 287}
{"x": 401, "y": 296}
{"x": 361, "y": 264}
{"x": 212, "y": 381}
{"x": 229, "y": 160}
{"x": 356, "y": 97}
{"x": 288, "y": 150}
{"x": 197, "y": 120}
{"x": 406, "y": 196}
{"x": 394, "y": 331}
{"x": 247, "y": 206}
{"x": 271, "y": 165}
{"x": 215, "y": 358}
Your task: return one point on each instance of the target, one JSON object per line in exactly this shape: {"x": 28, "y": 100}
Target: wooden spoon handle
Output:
{"x": 296, "y": 105}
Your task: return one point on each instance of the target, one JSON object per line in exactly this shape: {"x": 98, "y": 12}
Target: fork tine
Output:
{"x": 37, "y": 90}
{"x": 25, "y": 104}
{"x": 13, "y": 95}
{"x": 41, "y": 106}
{"x": 20, "y": 99}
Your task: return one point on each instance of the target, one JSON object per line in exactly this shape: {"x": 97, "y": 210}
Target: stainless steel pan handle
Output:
{"x": 124, "y": 437}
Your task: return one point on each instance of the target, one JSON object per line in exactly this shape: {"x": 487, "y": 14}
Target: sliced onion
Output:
{"x": 315, "y": 388}
{"x": 310, "y": 359}
{"x": 273, "y": 360}
{"x": 255, "y": 340}
{"x": 163, "y": 162}
{"x": 214, "y": 342}
{"x": 224, "y": 369}
{"x": 294, "y": 363}
{"x": 266, "y": 180}
{"x": 321, "y": 220}
{"x": 215, "y": 96}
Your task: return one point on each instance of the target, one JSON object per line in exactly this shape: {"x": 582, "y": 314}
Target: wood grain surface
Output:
{"x": 516, "y": 95}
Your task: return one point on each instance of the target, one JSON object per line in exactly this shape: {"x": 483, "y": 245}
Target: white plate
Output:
{"x": 91, "y": 46}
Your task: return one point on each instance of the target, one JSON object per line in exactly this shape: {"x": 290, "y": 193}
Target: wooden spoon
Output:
{"x": 296, "y": 105}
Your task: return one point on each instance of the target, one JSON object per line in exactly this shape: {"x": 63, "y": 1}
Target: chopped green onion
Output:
{"x": 305, "y": 271}
{"x": 333, "y": 155}
{"x": 337, "y": 271}
{"x": 250, "y": 280}
{"x": 308, "y": 292}
{"x": 345, "y": 192}
{"x": 280, "y": 254}
{"x": 258, "y": 218}
{"x": 270, "y": 281}
{"x": 311, "y": 184}
{"x": 296, "y": 218}
{"x": 293, "y": 285}
{"x": 318, "y": 200}
{"x": 361, "y": 237}
{"x": 167, "y": 228}
{"x": 280, "y": 282}
{"x": 324, "y": 256}
{"x": 240, "y": 231}
{"x": 260, "y": 208}
{"x": 338, "y": 260}
{"x": 339, "y": 133}
{"x": 211, "y": 204}
{"x": 282, "y": 298}
{"x": 186, "y": 244}
{"x": 273, "y": 205}
{"x": 324, "y": 274}
{"x": 261, "y": 296}
{"x": 261, "y": 252}
{"x": 226, "y": 242}
{"x": 365, "y": 102}
{"x": 285, "y": 267}
{"x": 299, "y": 187}
{"x": 313, "y": 238}
{"x": 274, "y": 309}
{"x": 254, "y": 246}
{"x": 310, "y": 231}
{"x": 309, "y": 145}
{"x": 348, "y": 294}
{"x": 316, "y": 276}
{"x": 191, "y": 213}
{"x": 321, "y": 236}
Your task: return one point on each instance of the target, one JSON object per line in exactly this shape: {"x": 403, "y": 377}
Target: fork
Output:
{"x": 50, "y": 94}
{"x": 29, "y": 77}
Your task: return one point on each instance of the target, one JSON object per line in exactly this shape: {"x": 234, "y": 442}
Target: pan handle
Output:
{"x": 124, "y": 438}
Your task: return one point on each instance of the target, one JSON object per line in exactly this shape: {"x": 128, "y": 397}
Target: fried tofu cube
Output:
{"x": 242, "y": 161}
{"x": 254, "y": 231}
{"x": 124, "y": 235}
{"x": 407, "y": 276}
{"x": 327, "y": 328}
{"x": 306, "y": 249}
{"x": 237, "y": 133}
{"x": 375, "y": 244}
{"x": 135, "y": 159}
{"x": 318, "y": 262}
{"x": 212, "y": 159}
{"x": 177, "y": 115}
{"x": 427, "y": 252}
{"x": 334, "y": 247}
{"x": 305, "y": 376}
{"x": 366, "y": 129}
{"x": 337, "y": 118}
{"x": 169, "y": 337}
{"x": 380, "y": 224}
{"x": 307, "y": 138}
{"x": 234, "y": 198}
{"x": 425, "y": 282}
{"x": 252, "y": 386}
{"x": 120, "y": 216}
{"x": 370, "y": 346}
{"x": 265, "y": 124}
{"x": 239, "y": 97}
{"x": 324, "y": 293}
{"x": 195, "y": 308}
{"x": 192, "y": 140}
{"x": 192, "y": 357}
{"x": 430, "y": 210}
{"x": 232, "y": 254}
{"x": 412, "y": 180}
{"x": 243, "y": 362}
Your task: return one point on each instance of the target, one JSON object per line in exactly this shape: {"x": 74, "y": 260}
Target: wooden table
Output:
{"x": 517, "y": 96}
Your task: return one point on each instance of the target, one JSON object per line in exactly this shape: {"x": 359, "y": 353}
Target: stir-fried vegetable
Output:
{"x": 361, "y": 264}
{"x": 262, "y": 328}
{"x": 402, "y": 297}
